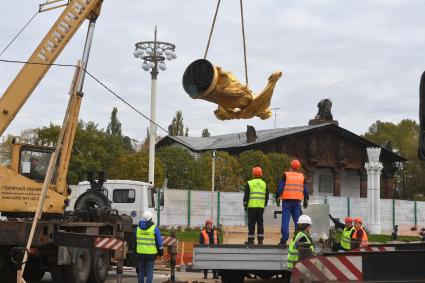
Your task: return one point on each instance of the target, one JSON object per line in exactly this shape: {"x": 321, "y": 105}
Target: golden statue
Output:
{"x": 202, "y": 80}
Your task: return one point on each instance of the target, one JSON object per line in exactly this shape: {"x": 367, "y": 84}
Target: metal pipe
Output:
{"x": 86, "y": 53}
{"x": 152, "y": 126}
{"x": 212, "y": 183}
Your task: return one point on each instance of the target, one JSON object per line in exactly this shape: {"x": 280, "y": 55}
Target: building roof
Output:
{"x": 239, "y": 140}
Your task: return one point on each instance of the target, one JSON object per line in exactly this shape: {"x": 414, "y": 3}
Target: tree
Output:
{"x": 114, "y": 126}
{"x": 93, "y": 150}
{"x": 205, "y": 133}
{"x": 410, "y": 177}
{"x": 280, "y": 163}
{"x": 181, "y": 169}
{"x": 6, "y": 150}
{"x": 253, "y": 158}
{"x": 176, "y": 128}
{"x": 227, "y": 172}
{"x": 134, "y": 166}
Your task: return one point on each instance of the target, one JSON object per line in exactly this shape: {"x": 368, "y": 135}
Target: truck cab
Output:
{"x": 127, "y": 197}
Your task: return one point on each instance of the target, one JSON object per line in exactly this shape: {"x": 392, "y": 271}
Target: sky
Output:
{"x": 367, "y": 56}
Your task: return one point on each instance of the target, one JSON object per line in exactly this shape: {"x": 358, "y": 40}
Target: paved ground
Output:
{"x": 159, "y": 277}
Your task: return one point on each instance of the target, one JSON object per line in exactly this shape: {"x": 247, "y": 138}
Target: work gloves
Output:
{"x": 160, "y": 252}
{"x": 305, "y": 204}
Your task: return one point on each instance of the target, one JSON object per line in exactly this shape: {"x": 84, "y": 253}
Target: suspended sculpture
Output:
{"x": 203, "y": 80}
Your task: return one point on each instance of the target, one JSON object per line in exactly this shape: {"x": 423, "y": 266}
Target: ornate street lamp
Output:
{"x": 154, "y": 54}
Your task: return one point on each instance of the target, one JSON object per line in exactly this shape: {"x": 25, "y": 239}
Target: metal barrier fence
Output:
{"x": 192, "y": 208}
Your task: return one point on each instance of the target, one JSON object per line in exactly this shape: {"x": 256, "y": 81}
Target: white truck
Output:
{"x": 127, "y": 197}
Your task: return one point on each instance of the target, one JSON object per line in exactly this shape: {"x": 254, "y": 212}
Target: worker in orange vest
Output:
{"x": 360, "y": 238}
{"x": 209, "y": 236}
{"x": 292, "y": 189}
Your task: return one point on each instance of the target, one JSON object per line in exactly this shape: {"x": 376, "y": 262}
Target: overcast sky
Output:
{"x": 367, "y": 56}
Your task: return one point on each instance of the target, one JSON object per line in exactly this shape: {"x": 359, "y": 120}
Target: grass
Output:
{"x": 188, "y": 236}
{"x": 193, "y": 236}
{"x": 386, "y": 238}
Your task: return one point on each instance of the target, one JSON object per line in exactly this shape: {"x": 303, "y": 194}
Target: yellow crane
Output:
{"x": 20, "y": 185}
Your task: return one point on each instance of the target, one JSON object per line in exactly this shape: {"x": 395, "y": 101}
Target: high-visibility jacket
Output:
{"x": 346, "y": 238}
{"x": 257, "y": 193}
{"x": 294, "y": 186}
{"x": 364, "y": 241}
{"x": 207, "y": 238}
{"x": 146, "y": 241}
{"x": 293, "y": 252}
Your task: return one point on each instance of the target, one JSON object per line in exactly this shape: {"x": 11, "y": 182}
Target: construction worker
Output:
{"x": 255, "y": 199}
{"x": 348, "y": 231}
{"x": 359, "y": 239}
{"x": 148, "y": 247}
{"x": 292, "y": 189}
{"x": 301, "y": 242}
{"x": 209, "y": 236}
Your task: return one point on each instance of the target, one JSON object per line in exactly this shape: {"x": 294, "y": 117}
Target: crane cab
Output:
{"x": 31, "y": 160}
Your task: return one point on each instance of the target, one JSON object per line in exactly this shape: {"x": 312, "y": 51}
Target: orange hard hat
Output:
{"x": 208, "y": 221}
{"x": 358, "y": 220}
{"x": 348, "y": 219}
{"x": 257, "y": 172}
{"x": 295, "y": 164}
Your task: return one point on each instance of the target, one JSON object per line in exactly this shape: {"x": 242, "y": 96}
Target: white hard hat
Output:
{"x": 147, "y": 215}
{"x": 304, "y": 219}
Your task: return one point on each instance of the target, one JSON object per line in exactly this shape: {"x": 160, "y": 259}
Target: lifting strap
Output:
{"x": 243, "y": 37}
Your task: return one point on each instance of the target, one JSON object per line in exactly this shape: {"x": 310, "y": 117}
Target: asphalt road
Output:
{"x": 160, "y": 276}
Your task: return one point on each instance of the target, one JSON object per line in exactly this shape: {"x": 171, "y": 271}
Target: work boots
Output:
{"x": 250, "y": 241}
{"x": 260, "y": 242}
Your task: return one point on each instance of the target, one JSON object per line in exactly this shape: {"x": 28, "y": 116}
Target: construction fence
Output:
{"x": 192, "y": 208}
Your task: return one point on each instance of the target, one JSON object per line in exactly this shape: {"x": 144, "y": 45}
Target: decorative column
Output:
{"x": 374, "y": 168}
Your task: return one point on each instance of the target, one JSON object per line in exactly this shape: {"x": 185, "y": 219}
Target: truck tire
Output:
{"x": 79, "y": 270}
{"x": 7, "y": 271}
{"x": 58, "y": 274}
{"x": 33, "y": 275}
{"x": 93, "y": 200}
{"x": 101, "y": 261}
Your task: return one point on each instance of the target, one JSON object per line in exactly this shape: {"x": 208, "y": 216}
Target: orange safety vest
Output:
{"x": 207, "y": 238}
{"x": 294, "y": 186}
{"x": 365, "y": 241}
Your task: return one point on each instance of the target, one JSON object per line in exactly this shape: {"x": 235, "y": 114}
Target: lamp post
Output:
{"x": 153, "y": 54}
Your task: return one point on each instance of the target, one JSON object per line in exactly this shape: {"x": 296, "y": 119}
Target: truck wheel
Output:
{"x": 7, "y": 271}
{"x": 79, "y": 270}
{"x": 99, "y": 267}
{"x": 58, "y": 274}
{"x": 32, "y": 275}
{"x": 93, "y": 200}
{"x": 226, "y": 277}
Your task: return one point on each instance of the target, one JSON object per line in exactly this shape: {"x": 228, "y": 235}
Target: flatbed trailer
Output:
{"x": 73, "y": 251}
{"x": 393, "y": 262}
{"x": 235, "y": 262}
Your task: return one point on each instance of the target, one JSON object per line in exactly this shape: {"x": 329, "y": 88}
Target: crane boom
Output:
{"x": 46, "y": 53}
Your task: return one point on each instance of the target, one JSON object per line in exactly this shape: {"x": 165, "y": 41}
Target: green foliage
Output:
{"x": 205, "y": 133}
{"x": 280, "y": 164}
{"x": 176, "y": 128}
{"x": 114, "y": 126}
{"x": 6, "y": 150}
{"x": 253, "y": 158}
{"x": 227, "y": 172}
{"x": 94, "y": 149}
{"x": 134, "y": 166}
{"x": 410, "y": 176}
{"x": 181, "y": 168}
